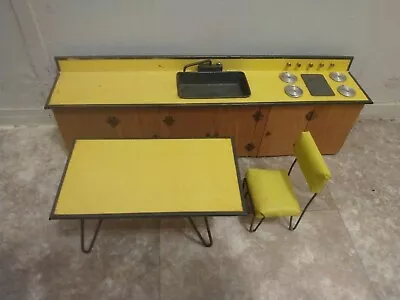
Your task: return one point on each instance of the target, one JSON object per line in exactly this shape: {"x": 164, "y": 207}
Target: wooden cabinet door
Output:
{"x": 331, "y": 124}
{"x": 145, "y": 123}
{"x": 284, "y": 125}
{"x": 185, "y": 122}
{"x": 244, "y": 124}
{"x": 75, "y": 123}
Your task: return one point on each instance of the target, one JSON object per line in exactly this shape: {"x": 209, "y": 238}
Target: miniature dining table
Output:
{"x": 129, "y": 178}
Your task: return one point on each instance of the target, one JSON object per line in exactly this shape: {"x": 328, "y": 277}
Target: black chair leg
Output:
{"x": 290, "y": 224}
{"x": 246, "y": 195}
{"x": 292, "y": 228}
{"x": 251, "y": 229}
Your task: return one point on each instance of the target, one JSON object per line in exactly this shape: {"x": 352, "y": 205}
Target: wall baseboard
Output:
{"x": 39, "y": 117}
{"x": 26, "y": 117}
{"x": 390, "y": 110}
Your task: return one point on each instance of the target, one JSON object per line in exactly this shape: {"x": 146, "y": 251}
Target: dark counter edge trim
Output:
{"x": 61, "y": 181}
{"x": 235, "y": 158}
{"x": 365, "y": 93}
{"x": 47, "y": 106}
{"x": 351, "y": 62}
{"x": 148, "y": 215}
{"x": 157, "y": 105}
{"x": 345, "y": 57}
{"x": 54, "y": 216}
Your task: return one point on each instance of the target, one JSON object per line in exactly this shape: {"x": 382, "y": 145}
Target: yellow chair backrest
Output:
{"x": 311, "y": 162}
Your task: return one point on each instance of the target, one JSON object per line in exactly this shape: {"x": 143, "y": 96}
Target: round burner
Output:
{"x": 293, "y": 91}
{"x": 338, "y": 76}
{"x": 346, "y": 91}
{"x": 288, "y": 77}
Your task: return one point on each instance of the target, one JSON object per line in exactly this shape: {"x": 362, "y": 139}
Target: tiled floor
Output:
{"x": 347, "y": 246}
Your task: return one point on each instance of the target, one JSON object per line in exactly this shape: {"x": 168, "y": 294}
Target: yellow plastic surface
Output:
{"x": 72, "y": 64}
{"x": 150, "y": 176}
{"x": 153, "y": 81}
{"x": 272, "y": 193}
{"x": 311, "y": 162}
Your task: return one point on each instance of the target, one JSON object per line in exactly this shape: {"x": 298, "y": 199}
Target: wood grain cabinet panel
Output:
{"x": 182, "y": 122}
{"x": 75, "y": 123}
{"x": 331, "y": 124}
{"x": 245, "y": 125}
{"x": 284, "y": 125}
{"x": 145, "y": 123}
{"x": 256, "y": 131}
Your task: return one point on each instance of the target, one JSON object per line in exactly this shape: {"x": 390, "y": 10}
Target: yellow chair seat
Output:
{"x": 272, "y": 193}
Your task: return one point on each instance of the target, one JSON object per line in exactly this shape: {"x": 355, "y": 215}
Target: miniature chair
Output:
{"x": 272, "y": 193}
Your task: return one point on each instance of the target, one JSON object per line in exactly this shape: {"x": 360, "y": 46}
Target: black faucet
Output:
{"x": 205, "y": 65}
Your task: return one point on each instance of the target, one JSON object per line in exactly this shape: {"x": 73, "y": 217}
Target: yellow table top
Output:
{"x": 153, "y": 82}
{"x": 156, "y": 177}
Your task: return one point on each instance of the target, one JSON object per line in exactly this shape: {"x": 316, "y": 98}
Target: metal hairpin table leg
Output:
{"x": 88, "y": 250}
{"x": 210, "y": 243}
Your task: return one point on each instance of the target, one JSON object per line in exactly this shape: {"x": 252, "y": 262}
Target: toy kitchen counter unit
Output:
{"x": 262, "y": 102}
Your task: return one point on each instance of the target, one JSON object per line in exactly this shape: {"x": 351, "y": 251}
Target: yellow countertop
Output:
{"x": 111, "y": 82}
{"x": 149, "y": 176}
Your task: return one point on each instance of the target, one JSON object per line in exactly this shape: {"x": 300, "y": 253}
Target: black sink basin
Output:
{"x": 195, "y": 85}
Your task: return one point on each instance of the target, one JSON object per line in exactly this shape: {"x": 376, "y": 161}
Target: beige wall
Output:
{"x": 18, "y": 82}
{"x": 33, "y": 31}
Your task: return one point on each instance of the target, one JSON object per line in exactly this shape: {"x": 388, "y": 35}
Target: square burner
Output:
{"x": 317, "y": 85}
